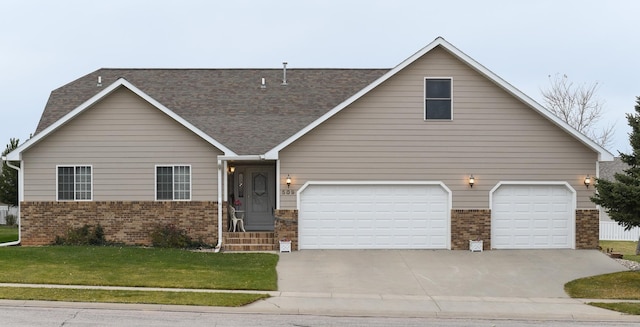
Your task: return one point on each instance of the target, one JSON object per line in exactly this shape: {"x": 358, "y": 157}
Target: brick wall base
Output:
{"x": 470, "y": 224}
{"x": 123, "y": 222}
{"x": 587, "y": 228}
{"x": 287, "y": 226}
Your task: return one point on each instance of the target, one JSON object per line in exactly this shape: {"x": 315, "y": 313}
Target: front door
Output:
{"x": 260, "y": 198}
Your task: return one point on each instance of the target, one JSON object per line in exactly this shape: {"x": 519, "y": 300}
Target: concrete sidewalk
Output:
{"x": 435, "y": 306}
{"x": 369, "y": 305}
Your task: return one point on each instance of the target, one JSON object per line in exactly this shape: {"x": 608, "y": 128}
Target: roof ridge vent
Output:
{"x": 284, "y": 73}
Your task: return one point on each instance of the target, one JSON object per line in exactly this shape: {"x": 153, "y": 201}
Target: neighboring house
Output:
{"x": 607, "y": 171}
{"x": 328, "y": 158}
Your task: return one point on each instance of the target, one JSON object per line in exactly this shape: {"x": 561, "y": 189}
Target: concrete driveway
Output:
{"x": 498, "y": 273}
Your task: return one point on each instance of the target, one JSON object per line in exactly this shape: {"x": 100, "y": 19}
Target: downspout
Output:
{"x": 4, "y": 159}
{"x": 219, "y": 245}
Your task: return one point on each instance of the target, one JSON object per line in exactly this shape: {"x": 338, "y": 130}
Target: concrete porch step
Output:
{"x": 249, "y": 241}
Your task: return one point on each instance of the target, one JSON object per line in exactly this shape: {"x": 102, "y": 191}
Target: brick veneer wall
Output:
{"x": 287, "y": 226}
{"x": 125, "y": 222}
{"x": 587, "y": 228}
{"x": 470, "y": 224}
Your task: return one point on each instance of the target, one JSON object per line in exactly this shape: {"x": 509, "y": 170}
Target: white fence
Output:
{"x": 4, "y": 211}
{"x": 611, "y": 231}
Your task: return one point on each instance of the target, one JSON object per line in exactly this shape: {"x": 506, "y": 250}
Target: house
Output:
{"x": 430, "y": 154}
{"x": 608, "y": 169}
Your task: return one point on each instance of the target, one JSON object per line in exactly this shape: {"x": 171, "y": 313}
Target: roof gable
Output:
{"x": 603, "y": 154}
{"x": 16, "y": 154}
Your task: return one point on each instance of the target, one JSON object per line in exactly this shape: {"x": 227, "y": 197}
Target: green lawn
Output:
{"x": 8, "y": 233}
{"x": 133, "y": 266}
{"x": 627, "y": 248}
{"x": 622, "y": 285}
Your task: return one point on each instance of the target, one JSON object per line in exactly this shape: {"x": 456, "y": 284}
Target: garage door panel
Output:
{"x": 532, "y": 216}
{"x": 420, "y": 224}
{"x": 542, "y": 208}
{"x": 560, "y": 224}
{"x": 374, "y": 216}
{"x": 560, "y": 239}
{"x": 560, "y": 207}
{"x": 539, "y": 224}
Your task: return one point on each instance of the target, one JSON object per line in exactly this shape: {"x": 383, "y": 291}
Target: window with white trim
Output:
{"x": 173, "y": 183}
{"x": 437, "y": 103}
{"x": 74, "y": 183}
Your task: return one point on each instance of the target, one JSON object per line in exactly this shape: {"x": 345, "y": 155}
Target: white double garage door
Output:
{"x": 363, "y": 215}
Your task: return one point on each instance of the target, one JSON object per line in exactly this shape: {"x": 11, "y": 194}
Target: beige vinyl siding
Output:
{"x": 495, "y": 137}
{"x": 123, "y": 137}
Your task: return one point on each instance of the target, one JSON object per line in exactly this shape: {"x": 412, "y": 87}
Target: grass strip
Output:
{"x": 624, "y": 307}
{"x": 139, "y": 297}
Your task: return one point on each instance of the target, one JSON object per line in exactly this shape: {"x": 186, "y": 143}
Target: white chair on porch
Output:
{"x": 236, "y": 216}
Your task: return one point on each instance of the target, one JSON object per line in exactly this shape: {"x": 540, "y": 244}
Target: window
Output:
{"x": 74, "y": 183}
{"x": 173, "y": 182}
{"x": 437, "y": 104}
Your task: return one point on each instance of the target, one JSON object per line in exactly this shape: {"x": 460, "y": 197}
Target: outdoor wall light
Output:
{"x": 288, "y": 181}
{"x": 587, "y": 181}
{"x": 472, "y": 180}
{"x": 232, "y": 169}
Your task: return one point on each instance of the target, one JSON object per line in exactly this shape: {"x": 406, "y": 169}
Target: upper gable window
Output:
{"x": 173, "y": 183}
{"x": 74, "y": 183}
{"x": 437, "y": 103}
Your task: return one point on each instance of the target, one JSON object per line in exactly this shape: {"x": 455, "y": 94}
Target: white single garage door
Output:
{"x": 363, "y": 216}
{"x": 532, "y": 217}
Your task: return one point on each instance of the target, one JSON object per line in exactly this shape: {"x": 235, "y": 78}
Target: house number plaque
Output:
{"x": 288, "y": 192}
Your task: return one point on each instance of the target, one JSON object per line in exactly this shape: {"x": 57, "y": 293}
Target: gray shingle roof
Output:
{"x": 228, "y": 104}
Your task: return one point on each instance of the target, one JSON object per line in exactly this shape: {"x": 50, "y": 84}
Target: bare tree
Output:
{"x": 579, "y": 107}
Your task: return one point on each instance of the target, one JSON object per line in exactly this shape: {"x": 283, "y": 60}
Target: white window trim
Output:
{"x": 424, "y": 98}
{"x": 74, "y": 184}
{"x": 173, "y": 195}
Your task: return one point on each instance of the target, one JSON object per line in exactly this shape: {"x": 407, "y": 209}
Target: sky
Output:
{"x": 47, "y": 44}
